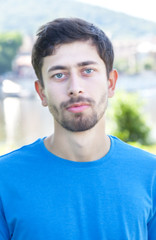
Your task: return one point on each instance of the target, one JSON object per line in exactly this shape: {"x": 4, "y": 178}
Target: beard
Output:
{"x": 78, "y": 122}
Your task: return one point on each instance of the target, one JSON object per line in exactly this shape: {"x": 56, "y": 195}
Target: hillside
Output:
{"x": 27, "y": 16}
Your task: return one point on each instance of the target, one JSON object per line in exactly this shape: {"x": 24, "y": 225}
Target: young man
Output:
{"x": 78, "y": 183}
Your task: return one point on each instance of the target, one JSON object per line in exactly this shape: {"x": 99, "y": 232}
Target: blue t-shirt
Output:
{"x": 45, "y": 197}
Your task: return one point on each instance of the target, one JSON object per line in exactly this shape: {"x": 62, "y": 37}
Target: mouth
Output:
{"x": 78, "y": 107}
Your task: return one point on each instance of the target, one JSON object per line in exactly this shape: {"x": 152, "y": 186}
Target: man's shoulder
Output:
{"x": 21, "y": 153}
{"x": 129, "y": 151}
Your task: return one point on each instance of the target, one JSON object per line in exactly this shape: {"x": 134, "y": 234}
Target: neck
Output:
{"x": 83, "y": 146}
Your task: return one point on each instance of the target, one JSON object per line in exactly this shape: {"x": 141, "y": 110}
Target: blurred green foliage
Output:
{"x": 129, "y": 123}
{"x": 123, "y": 65}
{"x": 149, "y": 63}
{"x": 9, "y": 45}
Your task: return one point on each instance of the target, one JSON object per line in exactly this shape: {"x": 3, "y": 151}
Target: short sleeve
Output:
{"x": 4, "y": 233}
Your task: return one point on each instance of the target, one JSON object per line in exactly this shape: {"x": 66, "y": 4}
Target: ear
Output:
{"x": 41, "y": 92}
{"x": 113, "y": 76}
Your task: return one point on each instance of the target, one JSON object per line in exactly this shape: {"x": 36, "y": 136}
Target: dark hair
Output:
{"x": 68, "y": 30}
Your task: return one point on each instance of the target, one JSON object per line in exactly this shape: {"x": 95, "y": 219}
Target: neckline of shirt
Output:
{"x": 52, "y": 157}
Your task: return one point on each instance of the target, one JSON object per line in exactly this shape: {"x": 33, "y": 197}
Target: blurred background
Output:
{"x": 131, "y": 26}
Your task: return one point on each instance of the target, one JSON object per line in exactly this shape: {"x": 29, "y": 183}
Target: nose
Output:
{"x": 75, "y": 87}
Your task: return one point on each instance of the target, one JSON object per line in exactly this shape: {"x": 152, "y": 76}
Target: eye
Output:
{"x": 88, "y": 71}
{"x": 59, "y": 76}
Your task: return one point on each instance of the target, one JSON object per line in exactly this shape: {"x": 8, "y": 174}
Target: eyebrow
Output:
{"x": 86, "y": 63}
{"x": 57, "y": 67}
{"x": 61, "y": 67}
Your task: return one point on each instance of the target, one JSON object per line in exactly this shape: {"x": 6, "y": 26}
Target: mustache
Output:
{"x": 77, "y": 100}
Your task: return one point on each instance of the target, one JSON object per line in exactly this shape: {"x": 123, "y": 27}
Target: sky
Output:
{"x": 145, "y": 9}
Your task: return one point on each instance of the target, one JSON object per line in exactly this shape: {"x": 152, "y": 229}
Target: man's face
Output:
{"x": 76, "y": 88}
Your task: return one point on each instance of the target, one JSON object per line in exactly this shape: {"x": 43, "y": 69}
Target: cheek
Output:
{"x": 54, "y": 98}
{"x": 100, "y": 90}
{"x": 54, "y": 110}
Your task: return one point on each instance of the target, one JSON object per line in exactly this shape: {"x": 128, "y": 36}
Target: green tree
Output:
{"x": 9, "y": 45}
{"x": 129, "y": 122}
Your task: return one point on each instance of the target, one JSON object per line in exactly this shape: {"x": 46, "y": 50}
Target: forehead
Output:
{"x": 72, "y": 53}
{"x": 78, "y": 43}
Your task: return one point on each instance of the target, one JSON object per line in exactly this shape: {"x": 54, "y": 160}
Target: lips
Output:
{"x": 78, "y": 107}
